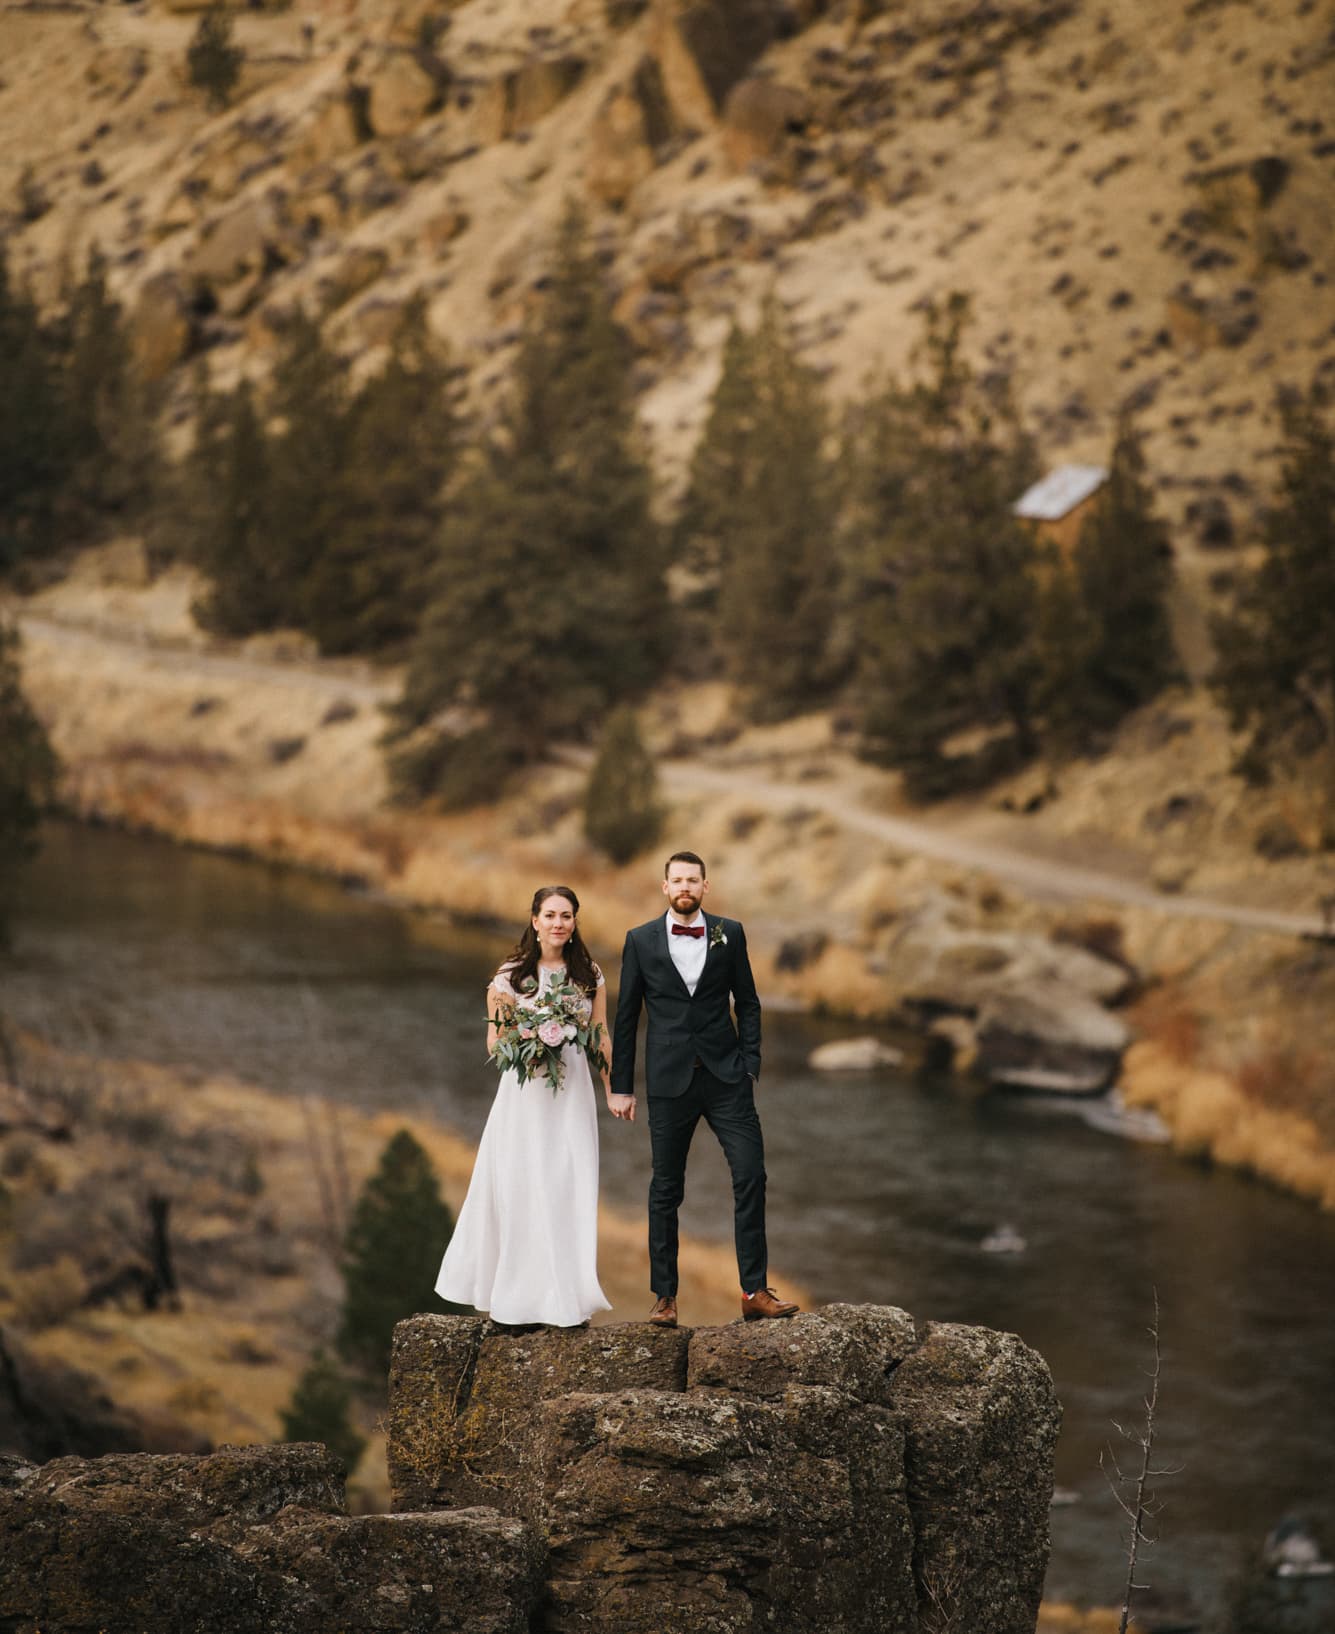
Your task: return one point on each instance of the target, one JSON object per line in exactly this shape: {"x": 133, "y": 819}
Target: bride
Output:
{"x": 525, "y": 1247}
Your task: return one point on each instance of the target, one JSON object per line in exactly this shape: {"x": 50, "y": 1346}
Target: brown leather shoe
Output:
{"x": 765, "y": 1303}
{"x": 664, "y": 1313}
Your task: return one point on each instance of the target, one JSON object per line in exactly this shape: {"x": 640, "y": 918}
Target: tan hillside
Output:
{"x": 1137, "y": 197}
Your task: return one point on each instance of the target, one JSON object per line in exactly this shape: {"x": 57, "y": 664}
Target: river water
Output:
{"x": 881, "y": 1188}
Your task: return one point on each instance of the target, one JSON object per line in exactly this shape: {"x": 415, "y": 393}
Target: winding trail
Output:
{"x": 1037, "y": 876}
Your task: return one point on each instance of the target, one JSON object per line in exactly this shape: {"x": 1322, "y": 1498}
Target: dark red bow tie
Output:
{"x": 688, "y": 930}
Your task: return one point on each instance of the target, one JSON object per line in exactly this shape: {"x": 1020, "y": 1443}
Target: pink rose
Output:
{"x": 552, "y": 1032}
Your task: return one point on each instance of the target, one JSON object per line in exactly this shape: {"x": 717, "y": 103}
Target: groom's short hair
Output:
{"x": 685, "y": 856}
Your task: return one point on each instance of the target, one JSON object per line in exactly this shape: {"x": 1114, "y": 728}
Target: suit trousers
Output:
{"x": 730, "y": 1111}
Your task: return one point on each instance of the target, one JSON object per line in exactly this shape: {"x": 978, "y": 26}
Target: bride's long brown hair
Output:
{"x": 523, "y": 962}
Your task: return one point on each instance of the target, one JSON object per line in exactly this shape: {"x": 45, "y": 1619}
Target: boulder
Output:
{"x": 703, "y": 47}
{"x": 248, "y": 1538}
{"x": 854, "y": 1055}
{"x": 759, "y": 115}
{"x": 329, "y": 131}
{"x": 243, "y": 242}
{"x": 790, "y": 1475}
{"x": 1046, "y": 1039}
{"x": 400, "y": 93}
{"x": 161, "y": 327}
{"x": 540, "y": 84}
{"x": 629, "y": 128}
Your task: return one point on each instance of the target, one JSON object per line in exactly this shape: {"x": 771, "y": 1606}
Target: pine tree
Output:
{"x": 365, "y": 589}
{"x": 28, "y": 770}
{"x": 1105, "y": 643}
{"x": 547, "y": 601}
{"x": 400, "y": 1227}
{"x": 109, "y": 411}
{"x": 34, "y": 439}
{"x": 229, "y": 499}
{"x": 942, "y": 579}
{"x": 321, "y": 1410}
{"x": 1275, "y": 653}
{"x": 213, "y": 63}
{"x": 622, "y": 812}
{"x": 1123, "y": 569}
{"x": 761, "y": 512}
{"x": 309, "y": 415}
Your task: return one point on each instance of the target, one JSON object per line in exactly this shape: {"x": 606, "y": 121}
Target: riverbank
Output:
{"x": 259, "y": 1186}
{"x": 259, "y": 748}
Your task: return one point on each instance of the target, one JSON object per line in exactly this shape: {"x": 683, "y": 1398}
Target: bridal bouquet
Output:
{"x": 533, "y": 1031}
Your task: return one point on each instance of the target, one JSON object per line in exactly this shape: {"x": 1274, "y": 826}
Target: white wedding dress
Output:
{"x": 525, "y": 1247}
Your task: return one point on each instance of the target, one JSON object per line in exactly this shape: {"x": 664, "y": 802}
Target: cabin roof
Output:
{"x": 1058, "y": 493}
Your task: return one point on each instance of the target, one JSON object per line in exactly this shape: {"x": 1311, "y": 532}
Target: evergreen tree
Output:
{"x": 109, "y": 413}
{"x": 309, "y": 412}
{"x": 229, "y": 489}
{"x": 622, "y": 813}
{"x": 365, "y": 589}
{"x": 548, "y": 596}
{"x": 28, "y": 770}
{"x": 1123, "y": 566}
{"x": 762, "y": 511}
{"x": 1105, "y": 644}
{"x": 1275, "y": 653}
{"x": 400, "y": 1227}
{"x": 213, "y": 63}
{"x": 321, "y": 1410}
{"x": 942, "y": 572}
{"x": 34, "y": 444}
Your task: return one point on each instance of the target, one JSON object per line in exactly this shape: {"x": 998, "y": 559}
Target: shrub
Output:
{"x": 213, "y": 63}
{"x": 321, "y": 1410}
{"x": 400, "y": 1228}
{"x": 622, "y": 814}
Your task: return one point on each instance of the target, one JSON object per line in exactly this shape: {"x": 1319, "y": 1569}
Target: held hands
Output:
{"x": 621, "y": 1106}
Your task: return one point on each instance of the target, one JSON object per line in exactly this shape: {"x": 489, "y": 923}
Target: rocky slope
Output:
{"x": 1135, "y": 197}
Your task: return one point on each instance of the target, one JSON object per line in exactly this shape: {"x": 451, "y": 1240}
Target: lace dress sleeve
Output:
{"x": 501, "y": 982}
{"x": 601, "y": 981}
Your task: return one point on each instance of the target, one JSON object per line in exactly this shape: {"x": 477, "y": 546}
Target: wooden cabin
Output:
{"x": 1058, "y": 503}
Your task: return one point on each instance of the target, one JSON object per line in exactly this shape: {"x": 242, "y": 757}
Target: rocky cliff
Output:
{"x": 847, "y": 1471}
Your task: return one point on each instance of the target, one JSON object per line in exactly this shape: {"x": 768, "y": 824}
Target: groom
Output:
{"x": 684, "y": 967}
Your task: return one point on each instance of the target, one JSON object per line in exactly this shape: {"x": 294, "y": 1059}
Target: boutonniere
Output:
{"x": 716, "y": 936}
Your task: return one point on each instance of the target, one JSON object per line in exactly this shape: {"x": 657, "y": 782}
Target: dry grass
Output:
{"x": 1166, "y": 1021}
{"x": 1211, "y": 1116}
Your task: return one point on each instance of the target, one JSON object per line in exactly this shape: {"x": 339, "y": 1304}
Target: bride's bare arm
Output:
{"x": 497, "y": 1002}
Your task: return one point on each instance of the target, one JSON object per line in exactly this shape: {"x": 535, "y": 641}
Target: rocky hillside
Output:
{"x": 1135, "y": 196}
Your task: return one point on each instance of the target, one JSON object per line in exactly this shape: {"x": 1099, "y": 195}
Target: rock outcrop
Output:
{"x": 843, "y": 1471}
{"x": 247, "y": 1538}
{"x": 847, "y": 1471}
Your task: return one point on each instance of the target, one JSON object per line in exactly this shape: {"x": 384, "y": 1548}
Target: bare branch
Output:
{"x": 1143, "y": 1505}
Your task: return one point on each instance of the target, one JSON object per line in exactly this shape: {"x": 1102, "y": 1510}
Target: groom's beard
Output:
{"x": 685, "y": 903}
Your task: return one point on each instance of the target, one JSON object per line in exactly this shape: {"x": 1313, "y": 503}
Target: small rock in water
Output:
{"x": 1004, "y": 1240}
{"x": 1291, "y": 1551}
{"x": 854, "y": 1055}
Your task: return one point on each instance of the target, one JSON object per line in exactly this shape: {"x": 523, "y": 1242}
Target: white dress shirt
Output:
{"x": 688, "y": 952}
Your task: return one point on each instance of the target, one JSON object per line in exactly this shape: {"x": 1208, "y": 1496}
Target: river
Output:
{"x": 882, "y": 1188}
